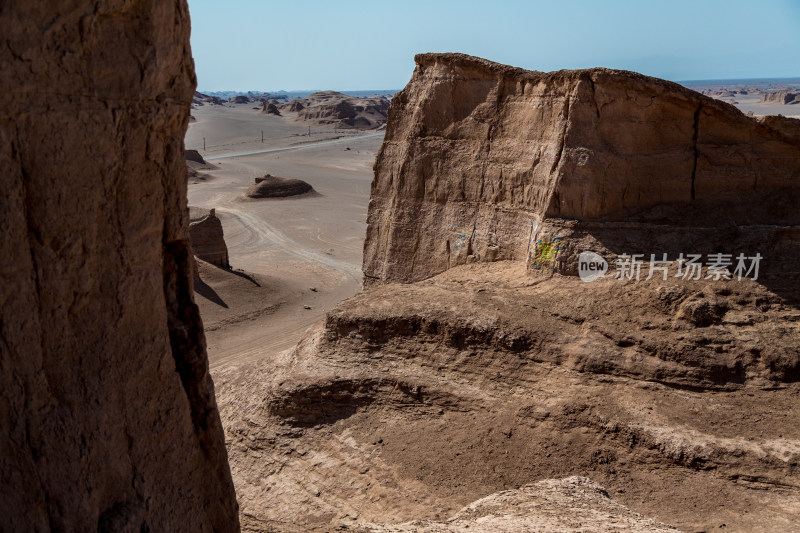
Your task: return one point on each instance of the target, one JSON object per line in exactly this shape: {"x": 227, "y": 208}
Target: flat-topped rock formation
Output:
{"x": 208, "y": 239}
{"x": 270, "y": 186}
{"x": 784, "y": 97}
{"x": 108, "y": 414}
{"x": 482, "y": 160}
{"x": 331, "y": 108}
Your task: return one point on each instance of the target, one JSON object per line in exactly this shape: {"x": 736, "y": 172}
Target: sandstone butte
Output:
{"x": 606, "y": 160}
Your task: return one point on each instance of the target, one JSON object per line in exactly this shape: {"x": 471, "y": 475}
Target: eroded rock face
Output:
{"x": 270, "y": 108}
{"x": 208, "y": 239}
{"x": 107, "y": 408}
{"x": 781, "y": 97}
{"x": 331, "y": 108}
{"x": 480, "y": 160}
{"x": 415, "y": 399}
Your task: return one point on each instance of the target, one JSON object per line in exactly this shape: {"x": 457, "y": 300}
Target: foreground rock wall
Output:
{"x": 481, "y": 159}
{"x": 108, "y": 412}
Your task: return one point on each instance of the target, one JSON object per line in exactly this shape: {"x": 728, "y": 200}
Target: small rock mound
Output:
{"x": 194, "y": 155}
{"x": 274, "y": 187}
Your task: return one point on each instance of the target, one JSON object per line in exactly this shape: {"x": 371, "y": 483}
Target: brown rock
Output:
{"x": 194, "y": 155}
{"x": 336, "y": 109}
{"x": 781, "y": 97}
{"x": 295, "y": 106}
{"x": 208, "y": 239}
{"x": 275, "y": 187}
{"x": 477, "y": 155}
{"x": 202, "y": 99}
{"x": 240, "y": 99}
{"x": 415, "y": 399}
{"x": 270, "y": 108}
{"x": 107, "y": 408}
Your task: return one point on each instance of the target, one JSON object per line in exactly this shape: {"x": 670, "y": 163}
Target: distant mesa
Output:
{"x": 201, "y": 99}
{"x": 331, "y": 108}
{"x": 730, "y": 93}
{"x": 240, "y": 99}
{"x": 783, "y": 97}
{"x": 274, "y": 187}
{"x": 270, "y": 108}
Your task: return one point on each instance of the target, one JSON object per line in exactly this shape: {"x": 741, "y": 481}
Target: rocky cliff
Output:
{"x": 781, "y": 97}
{"x": 482, "y": 160}
{"x": 107, "y": 408}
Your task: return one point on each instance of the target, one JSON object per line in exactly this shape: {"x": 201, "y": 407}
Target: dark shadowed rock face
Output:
{"x": 270, "y": 108}
{"x": 481, "y": 160}
{"x": 194, "y": 155}
{"x": 107, "y": 408}
{"x": 208, "y": 239}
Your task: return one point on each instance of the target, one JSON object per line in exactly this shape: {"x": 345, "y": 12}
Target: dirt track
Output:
{"x": 284, "y": 246}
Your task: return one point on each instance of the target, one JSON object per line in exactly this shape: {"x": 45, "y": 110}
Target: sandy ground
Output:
{"x": 752, "y": 104}
{"x": 281, "y": 249}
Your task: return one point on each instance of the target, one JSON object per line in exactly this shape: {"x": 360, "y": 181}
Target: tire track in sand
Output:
{"x": 269, "y": 234}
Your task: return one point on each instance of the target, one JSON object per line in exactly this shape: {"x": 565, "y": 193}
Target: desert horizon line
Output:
{"x": 370, "y": 89}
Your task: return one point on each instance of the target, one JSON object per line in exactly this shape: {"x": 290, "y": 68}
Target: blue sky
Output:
{"x": 351, "y": 45}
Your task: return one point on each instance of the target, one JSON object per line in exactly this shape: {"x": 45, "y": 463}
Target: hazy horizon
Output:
{"x": 346, "y": 45}
{"x": 721, "y": 81}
